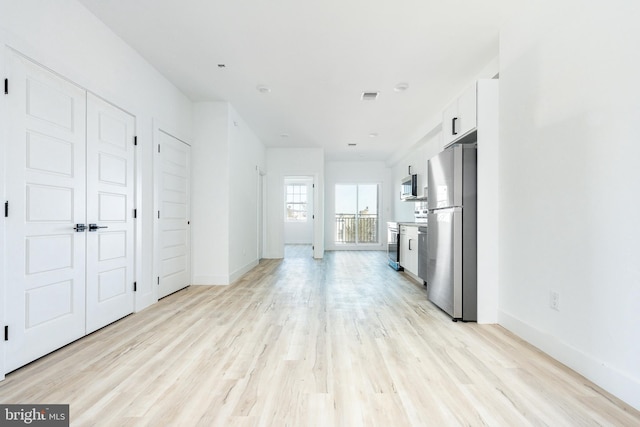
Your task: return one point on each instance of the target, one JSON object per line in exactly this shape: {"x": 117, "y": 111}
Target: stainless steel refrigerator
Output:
{"x": 451, "y": 240}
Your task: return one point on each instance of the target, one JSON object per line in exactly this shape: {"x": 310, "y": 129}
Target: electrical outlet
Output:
{"x": 554, "y": 300}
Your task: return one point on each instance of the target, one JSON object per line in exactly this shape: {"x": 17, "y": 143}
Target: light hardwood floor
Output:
{"x": 344, "y": 341}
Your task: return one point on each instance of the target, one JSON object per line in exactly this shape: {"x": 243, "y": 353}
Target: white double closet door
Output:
{"x": 70, "y": 163}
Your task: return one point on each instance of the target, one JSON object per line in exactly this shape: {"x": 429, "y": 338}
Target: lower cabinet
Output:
{"x": 409, "y": 248}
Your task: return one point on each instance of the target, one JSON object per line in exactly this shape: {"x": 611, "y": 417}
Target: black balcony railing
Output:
{"x": 352, "y": 228}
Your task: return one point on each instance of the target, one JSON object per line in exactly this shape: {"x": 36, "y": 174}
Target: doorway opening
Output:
{"x": 298, "y": 216}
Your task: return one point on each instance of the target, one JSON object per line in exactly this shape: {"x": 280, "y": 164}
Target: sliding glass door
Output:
{"x": 356, "y": 214}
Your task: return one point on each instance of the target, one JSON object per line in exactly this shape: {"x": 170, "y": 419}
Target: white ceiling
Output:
{"x": 317, "y": 57}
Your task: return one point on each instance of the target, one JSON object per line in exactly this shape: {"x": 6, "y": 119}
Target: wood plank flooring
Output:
{"x": 344, "y": 341}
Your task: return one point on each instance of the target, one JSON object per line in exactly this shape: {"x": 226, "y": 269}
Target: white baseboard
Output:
{"x": 242, "y": 270}
{"x": 224, "y": 280}
{"x": 211, "y": 280}
{"x": 609, "y": 378}
{"x": 143, "y": 301}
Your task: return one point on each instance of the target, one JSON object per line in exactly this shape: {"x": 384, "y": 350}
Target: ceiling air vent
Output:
{"x": 370, "y": 96}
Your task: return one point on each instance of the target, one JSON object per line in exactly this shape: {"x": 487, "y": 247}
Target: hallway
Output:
{"x": 343, "y": 341}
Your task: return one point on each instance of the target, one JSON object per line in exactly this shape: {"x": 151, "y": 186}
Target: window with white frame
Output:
{"x": 295, "y": 202}
{"x": 356, "y": 214}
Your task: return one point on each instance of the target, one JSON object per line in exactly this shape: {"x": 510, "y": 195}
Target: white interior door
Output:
{"x": 45, "y": 277}
{"x": 173, "y": 214}
{"x": 261, "y": 214}
{"x": 110, "y": 201}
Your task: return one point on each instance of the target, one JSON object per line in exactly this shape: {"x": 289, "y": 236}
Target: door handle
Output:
{"x": 410, "y": 244}
{"x": 453, "y": 126}
{"x": 80, "y": 228}
{"x": 94, "y": 227}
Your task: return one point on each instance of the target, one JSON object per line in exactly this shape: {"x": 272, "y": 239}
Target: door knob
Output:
{"x": 80, "y": 228}
{"x": 94, "y": 227}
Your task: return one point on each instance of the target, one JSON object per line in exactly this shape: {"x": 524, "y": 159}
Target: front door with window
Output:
{"x": 298, "y": 206}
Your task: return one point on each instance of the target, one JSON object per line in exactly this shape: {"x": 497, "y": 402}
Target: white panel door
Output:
{"x": 45, "y": 275}
{"x": 110, "y": 228}
{"x": 173, "y": 217}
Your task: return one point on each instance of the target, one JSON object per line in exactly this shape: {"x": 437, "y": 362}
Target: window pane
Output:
{"x": 296, "y": 202}
{"x": 346, "y": 198}
{"x": 368, "y": 198}
{"x": 356, "y": 213}
{"x": 368, "y": 213}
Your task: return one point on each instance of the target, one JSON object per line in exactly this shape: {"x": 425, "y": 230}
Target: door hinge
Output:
{"x": 135, "y": 140}
{"x": 135, "y": 286}
{"x": 135, "y": 213}
{"x": 313, "y": 248}
{"x": 6, "y": 86}
{"x": 158, "y": 280}
{"x": 158, "y": 214}
{"x": 6, "y": 333}
{"x": 6, "y": 209}
{"x": 158, "y": 148}
{"x": 313, "y": 217}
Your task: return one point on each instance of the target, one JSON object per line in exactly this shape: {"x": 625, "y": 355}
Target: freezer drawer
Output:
{"x": 444, "y": 260}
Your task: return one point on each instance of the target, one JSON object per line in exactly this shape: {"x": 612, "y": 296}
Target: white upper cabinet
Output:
{"x": 459, "y": 118}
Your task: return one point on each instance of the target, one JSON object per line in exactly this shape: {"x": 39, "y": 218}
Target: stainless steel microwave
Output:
{"x": 409, "y": 187}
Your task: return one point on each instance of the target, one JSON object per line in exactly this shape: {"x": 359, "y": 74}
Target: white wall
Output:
{"x": 300, "y": 232}
{"x": 358, "y": 173}
{"x": 569, "y": 108}
{"x": 210, "y": 193}
{"x": 226, "y": 157}
{"x": 488, "y": 214}
{"x": 66, "y": 38}
{"x": 247, "y": 156}
{"x": 283, "y": 162}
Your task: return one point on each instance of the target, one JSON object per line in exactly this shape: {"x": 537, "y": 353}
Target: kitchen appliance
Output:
{"x": 421, "y": 212}
{"x": 451, "y": 269}
{"x": 422, "y": 252}
{"x": 393, "y": 245}
{"x": 409, "y": 187}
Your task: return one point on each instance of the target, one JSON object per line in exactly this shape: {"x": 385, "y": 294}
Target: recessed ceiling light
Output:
{"x": 222, "y": 65}
{"x": 370, "y": 96}
{"x": 352, "y": 144}
{"x": 373, "y": 135}
{"x": 263, "y": 89}
{"x": 284, "y": 135}
{"x": 401, "y": 87}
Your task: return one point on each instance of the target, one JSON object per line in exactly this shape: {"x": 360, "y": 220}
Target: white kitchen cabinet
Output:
{"x": 480, "y": 104}
{"x": 459, "y": 117}
{"x": 418, "y": 166}
{"x": 409, "y": 248}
